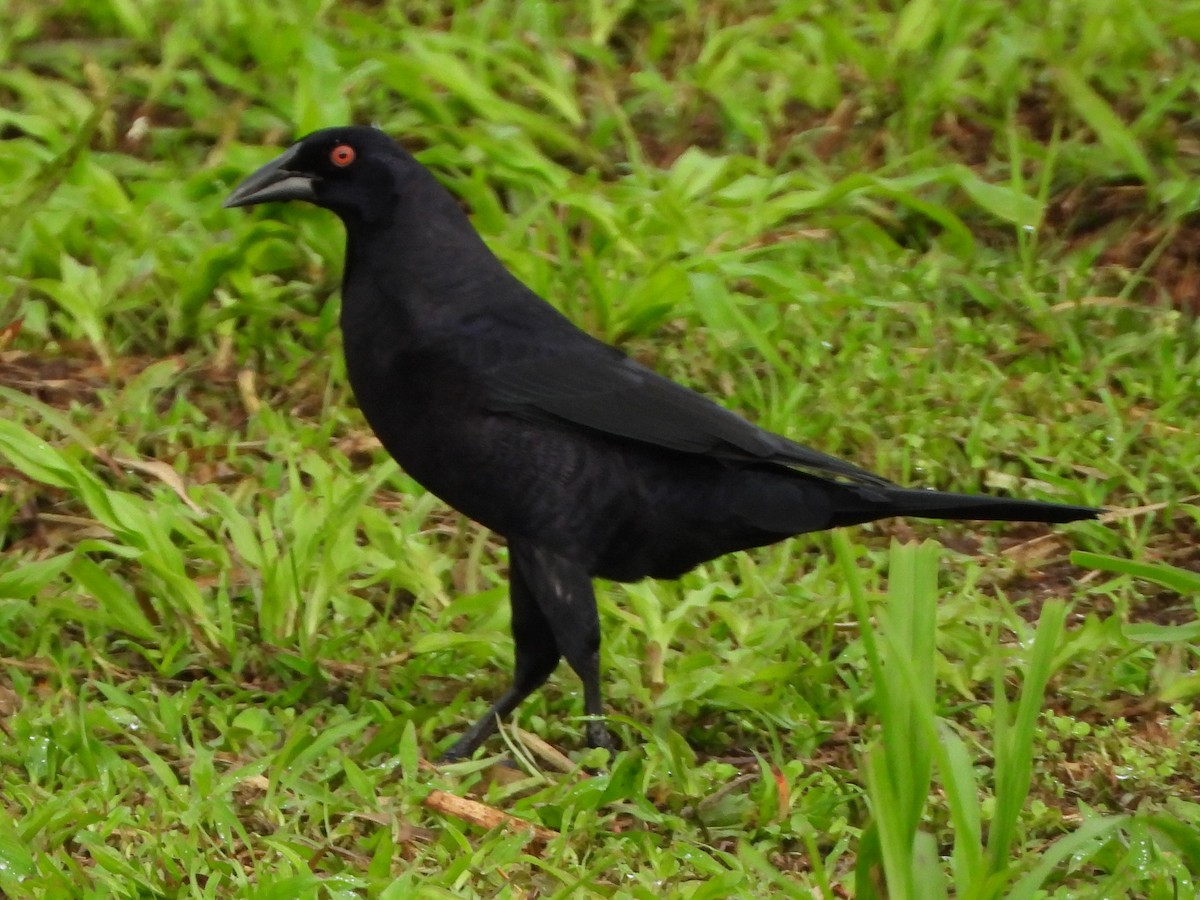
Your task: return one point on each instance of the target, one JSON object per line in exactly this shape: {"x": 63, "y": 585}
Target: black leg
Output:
{"x": 564, "y": 592}
{"x": 588, "y": 669}
{"x": 536, "y": 656}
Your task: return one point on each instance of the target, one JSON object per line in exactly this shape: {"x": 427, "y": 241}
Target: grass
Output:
{"x": 952, "y": 242}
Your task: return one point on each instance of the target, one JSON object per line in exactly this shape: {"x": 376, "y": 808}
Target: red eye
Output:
{"x": 342, "y": 155}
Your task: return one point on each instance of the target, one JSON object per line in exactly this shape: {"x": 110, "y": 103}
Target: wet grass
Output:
{"x": 954, "y": 243}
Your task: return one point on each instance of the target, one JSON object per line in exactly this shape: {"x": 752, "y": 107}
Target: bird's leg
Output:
{"x": 470, "y": 739}
{"x": 564, "y": 592}
{"x": 536, "y": 656}
{"x": 588, "y": 670}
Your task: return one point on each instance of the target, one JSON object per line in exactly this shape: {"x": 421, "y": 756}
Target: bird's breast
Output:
{"x": 433, "y": 418}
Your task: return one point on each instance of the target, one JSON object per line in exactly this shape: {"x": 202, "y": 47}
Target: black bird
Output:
{"x": 589, "y": 464}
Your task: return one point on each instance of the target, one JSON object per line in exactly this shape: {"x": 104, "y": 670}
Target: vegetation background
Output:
{"x": 956, "y": 242}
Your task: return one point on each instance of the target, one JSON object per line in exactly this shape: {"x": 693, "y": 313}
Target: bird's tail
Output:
{"x": 895, "y": 501}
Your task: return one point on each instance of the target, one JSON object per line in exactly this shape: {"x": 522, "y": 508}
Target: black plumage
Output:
{"x": 588, "y": 463}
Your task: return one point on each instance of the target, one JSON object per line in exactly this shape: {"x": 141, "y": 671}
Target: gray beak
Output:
{"x": 272, "y": 182}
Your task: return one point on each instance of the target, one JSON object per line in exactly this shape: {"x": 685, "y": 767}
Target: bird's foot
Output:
{"x": 471, "y": 740}
{"x": 599, "y": 737}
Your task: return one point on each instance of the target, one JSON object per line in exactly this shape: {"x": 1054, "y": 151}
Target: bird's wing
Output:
{"x": 589, "y": 384}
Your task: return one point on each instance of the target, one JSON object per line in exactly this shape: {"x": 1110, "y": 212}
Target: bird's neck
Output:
{"x": 426, "y": 268}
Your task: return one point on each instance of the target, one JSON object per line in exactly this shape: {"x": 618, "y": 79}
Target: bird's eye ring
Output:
{"x": 342, "y": 155}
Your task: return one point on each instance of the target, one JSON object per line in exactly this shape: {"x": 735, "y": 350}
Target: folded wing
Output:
{"x": 594, "y": 386}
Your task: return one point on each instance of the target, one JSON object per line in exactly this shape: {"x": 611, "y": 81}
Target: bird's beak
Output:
{"x": 274, "y": 181}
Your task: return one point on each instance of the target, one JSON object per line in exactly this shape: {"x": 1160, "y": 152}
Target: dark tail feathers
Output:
{"x": 881, "y": 502}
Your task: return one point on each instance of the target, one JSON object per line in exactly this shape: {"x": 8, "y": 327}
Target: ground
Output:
{"x": 956, "y": 244}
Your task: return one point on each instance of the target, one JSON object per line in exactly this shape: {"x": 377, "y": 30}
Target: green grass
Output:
{"x": 954, "y": 242}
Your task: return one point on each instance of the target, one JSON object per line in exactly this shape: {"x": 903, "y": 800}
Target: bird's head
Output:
{"x": 354, "y": 171}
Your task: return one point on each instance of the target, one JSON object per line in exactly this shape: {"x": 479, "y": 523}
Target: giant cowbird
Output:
{"x": 589, "y": 464}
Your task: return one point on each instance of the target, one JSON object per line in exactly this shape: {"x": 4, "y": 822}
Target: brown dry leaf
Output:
{"x": 256, "y": 782}
{"x": 1115, "y": 515}
{"x": 837, "y": 126}
{"x": 163, "y": 473}
{"x": 656, "y": 678}
{"x": 485, "y": 816}
{"x": 235, "y": 577}
{"x": 358, "y": 442}
{"x": 785, "y": 793}
{"x": 75, "y": 528}
{"x": 10, "y": 701}
{"x": 41, "y": 666}
{"x": 10, "y": 331}
{"x": 1035, "y": 550}
{"x": 223, "y": 359}
{"x": 343, "y": 667}
{"x": 248, "y": 391}
{"x": 544, "y": 751}
{"x": 502, "y": 774}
